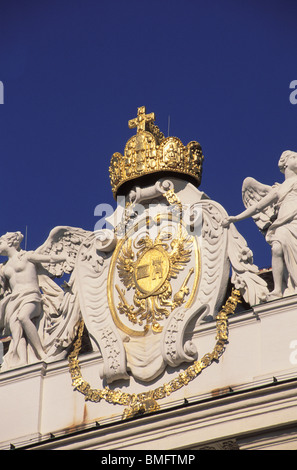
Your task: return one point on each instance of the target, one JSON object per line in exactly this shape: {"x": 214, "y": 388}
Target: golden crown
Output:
{"x": 149, "y": 151}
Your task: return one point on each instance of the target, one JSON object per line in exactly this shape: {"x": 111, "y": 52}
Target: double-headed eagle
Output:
{"x": 149, "y": 272}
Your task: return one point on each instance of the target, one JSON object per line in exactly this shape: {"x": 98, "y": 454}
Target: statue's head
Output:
{"x": 282, "y": 164}
{"x": 11, "y": 239}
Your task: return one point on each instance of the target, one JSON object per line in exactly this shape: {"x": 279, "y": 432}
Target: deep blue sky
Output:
{"x": 74, "y": 73}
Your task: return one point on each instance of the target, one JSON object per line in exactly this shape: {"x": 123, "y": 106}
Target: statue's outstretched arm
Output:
{"x": 36, "y": 258}
{"x": 266, "y": 201}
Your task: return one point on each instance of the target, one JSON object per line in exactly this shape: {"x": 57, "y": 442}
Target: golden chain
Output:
{"x": 174, "y": 200}
{"x": 147, "y": 401}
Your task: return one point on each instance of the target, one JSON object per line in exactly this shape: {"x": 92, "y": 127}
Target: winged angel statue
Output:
{"x": 274, "y": 210}
{"x": 38, "y": 315}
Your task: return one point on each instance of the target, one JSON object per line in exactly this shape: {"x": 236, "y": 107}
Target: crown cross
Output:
{"x": 141, "y": 119}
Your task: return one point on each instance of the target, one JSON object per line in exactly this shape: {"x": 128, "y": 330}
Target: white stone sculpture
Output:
{"x": 41, "y": 317}
{"x": 166, "y": 337}
{"x": 274, "y": 210}
{"x": 30, "y": 299}
{"x": 139, "y": 328}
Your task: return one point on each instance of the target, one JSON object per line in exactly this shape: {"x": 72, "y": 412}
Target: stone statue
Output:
{"x": 29, "y": 297}
{"x": 41, "y": 317}
{"x": 274, "y": 209}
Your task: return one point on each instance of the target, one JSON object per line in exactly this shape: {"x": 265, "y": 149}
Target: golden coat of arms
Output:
{"x": 165, "y": 281}
{"x": 152, "y": 276}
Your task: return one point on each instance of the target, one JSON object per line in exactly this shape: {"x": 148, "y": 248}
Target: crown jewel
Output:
{"x": 149, "y": 151}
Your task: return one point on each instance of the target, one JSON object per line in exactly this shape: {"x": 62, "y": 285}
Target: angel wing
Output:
{"x": 62, "y": 240}
{"x": 3, "y": 281}
{"x": 253, "y": 192}
{"x": 125, "y": 264}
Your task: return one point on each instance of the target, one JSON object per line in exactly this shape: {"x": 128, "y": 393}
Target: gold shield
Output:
{"x": 151, "y": 271}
